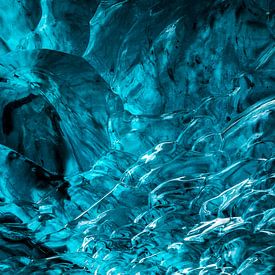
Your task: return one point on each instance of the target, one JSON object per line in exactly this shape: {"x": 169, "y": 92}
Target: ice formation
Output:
{"x": 137, "y": 137}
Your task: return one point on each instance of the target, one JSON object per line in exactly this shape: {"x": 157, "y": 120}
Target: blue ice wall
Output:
{"x": 137, "y": 137}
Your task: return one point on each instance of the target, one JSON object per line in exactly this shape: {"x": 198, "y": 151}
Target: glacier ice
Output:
{"x": 137, "y": 137}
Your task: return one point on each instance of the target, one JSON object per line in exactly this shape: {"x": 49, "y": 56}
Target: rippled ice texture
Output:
{"x": 137, "y": 137}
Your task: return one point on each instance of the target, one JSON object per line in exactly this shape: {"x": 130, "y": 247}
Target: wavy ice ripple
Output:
{"x": 137, "y": 137}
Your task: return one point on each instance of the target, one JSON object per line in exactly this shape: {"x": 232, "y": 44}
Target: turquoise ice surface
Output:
{"x": 137, "y": 137}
